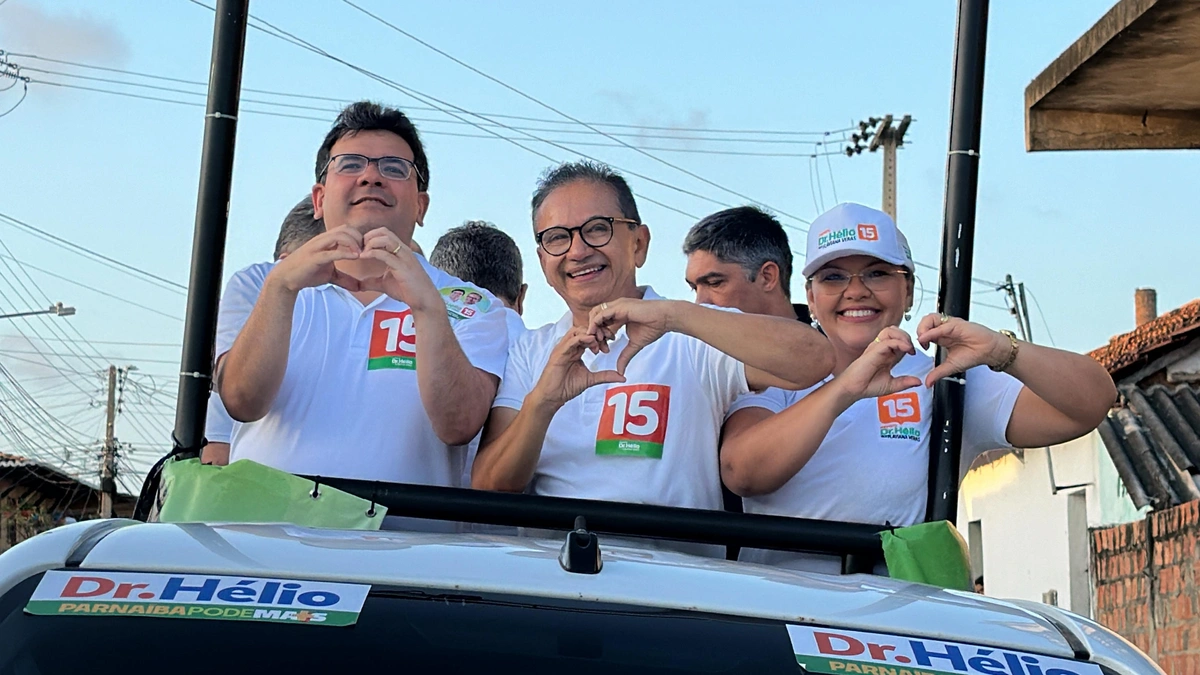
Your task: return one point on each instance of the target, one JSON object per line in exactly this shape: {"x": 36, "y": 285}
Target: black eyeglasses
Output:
{"x": 596, "y": 232}
{"x": 394, "y": 168}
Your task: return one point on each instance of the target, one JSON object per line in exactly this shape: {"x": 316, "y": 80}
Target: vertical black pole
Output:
{"x": 208, "y": 242}
{"x": 212, "y": 217}
{"x": 958, "y": 244}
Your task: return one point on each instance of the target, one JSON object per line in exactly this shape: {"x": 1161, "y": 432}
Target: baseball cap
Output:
{"x": 853, "y": 229}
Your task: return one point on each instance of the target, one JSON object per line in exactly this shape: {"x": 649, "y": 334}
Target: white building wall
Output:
{"x": 1033, "y": 540}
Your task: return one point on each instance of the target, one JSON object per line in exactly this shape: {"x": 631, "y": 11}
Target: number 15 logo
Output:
{"x": 634, "y": 420}
{"x": 899, "y": 408}
{"x": 393, "y": 341}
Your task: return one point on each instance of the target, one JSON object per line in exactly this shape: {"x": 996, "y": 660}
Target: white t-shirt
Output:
{"x": 516, "y": 328}
{"x": 650, "y": 440}
{"x": 349, "y": 404}
{"x": 218, "y": 425}
{"x": 873, "y": 466}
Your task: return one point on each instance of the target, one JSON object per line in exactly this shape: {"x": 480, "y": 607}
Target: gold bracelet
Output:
{"x": 1012, "y": 356}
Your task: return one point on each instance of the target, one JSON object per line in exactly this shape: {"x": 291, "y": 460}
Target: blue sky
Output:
{"x": 119, "y": 175}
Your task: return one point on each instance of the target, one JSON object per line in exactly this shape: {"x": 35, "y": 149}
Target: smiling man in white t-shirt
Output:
{"x": 623, "y": 398}
{"x": 354, "y": 361}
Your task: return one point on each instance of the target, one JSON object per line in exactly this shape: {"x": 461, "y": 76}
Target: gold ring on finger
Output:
{"x": 397, "y": 249}
{"x": 604, "y": 306}
{"x": 945, "y": 318}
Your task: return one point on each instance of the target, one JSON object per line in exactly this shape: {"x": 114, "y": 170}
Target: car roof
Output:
{"x": 529, "y": 567}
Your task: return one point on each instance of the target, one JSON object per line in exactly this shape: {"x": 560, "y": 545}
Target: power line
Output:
{"x": 92, "y": 288}
{"x": 288, "y": 37}
{"x": 198, "y": 104}
{"x": 70, "y": 345}
{"x": 412, "y": 93}
{"x": 103, "y": 342}
{"x": 565, "y": 115}
{"x": 149, "y": 277}
{"x": 343, "y": 102}
{"x": 123, "y": 359}
{"x": 639, "y": 135}
{"x": 1043, "y": 317}
{"x": 291, "y": 38}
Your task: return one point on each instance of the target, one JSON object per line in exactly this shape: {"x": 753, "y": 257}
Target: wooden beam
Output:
{"x": 1120, "y": 17}
{"x": 1081, "y": 130}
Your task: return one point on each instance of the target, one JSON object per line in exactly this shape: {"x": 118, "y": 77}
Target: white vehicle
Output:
{"x": 116, "y": 596}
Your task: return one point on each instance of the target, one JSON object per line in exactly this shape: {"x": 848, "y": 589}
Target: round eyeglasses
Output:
{"x": 596, "y": 232}
{"x": 833, "y": 281}
{"x": 394, "y": 168}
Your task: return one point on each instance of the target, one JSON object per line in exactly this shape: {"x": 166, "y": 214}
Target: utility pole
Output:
{"x": 882, "y": 134}
{"x": 108, "y": 457}
{"x": 1018, "y": 307}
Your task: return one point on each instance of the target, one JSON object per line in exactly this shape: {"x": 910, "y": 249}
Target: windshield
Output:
{"x": 399, "y": 631}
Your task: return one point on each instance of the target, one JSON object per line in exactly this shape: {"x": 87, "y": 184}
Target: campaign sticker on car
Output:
{"x": 197, "y": 596}
{"x": 826, "y": 650}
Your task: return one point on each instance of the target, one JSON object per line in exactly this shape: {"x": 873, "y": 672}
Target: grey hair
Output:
{"x": 480, "y": 253}
{"x": 298, "y": 227}
{"x": 586, "y": 170}
{"x": 746, "y": 236}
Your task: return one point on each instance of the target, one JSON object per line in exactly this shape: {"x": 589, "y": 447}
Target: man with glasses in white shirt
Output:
{"x": 623, "y": 398}
{"x": 353, "y": 362}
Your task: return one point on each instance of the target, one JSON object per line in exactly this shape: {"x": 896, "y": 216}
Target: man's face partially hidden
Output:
{"x": 725, "y": 284}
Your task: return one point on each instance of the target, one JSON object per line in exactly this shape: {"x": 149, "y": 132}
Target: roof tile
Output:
{"x": 1126, "y": 349}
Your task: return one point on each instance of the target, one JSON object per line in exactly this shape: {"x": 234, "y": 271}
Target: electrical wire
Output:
{"x": 148, "y": 277}
{"x": 565, "y": 115}
{"x": 343, "y": 102}
{"x": 24, "y": 93}
{"x": 1045, "y": 324}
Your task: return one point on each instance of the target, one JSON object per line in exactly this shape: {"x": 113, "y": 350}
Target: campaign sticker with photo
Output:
{"x": 464, "y": 302}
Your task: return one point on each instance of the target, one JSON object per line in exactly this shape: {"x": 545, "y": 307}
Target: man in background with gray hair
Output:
{"x": 741, "y": 258}
{"x": 480, "y": 253}
{"x": 299, "y": 226}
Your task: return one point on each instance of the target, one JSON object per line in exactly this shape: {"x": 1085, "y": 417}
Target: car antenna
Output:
{"x": 581, "y": 552}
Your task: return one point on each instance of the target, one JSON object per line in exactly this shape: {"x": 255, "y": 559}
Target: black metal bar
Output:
{"x": 641, "y": 520}
{"x": 958, "y": 247}
{"x": 212, "y": 217}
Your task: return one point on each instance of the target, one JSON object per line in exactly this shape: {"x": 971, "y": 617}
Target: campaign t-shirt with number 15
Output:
{"x": 873, "y": 466}
{"x": 349, "y": 405}
{"x": 649, "y": 440}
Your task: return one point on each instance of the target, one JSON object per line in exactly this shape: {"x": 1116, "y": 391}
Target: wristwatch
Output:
{"x": 1012, "y": 356}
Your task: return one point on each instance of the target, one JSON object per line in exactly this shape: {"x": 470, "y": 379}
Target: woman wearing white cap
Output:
{"x": 856, "y": 447}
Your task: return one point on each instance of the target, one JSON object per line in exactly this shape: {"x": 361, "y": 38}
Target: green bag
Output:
{"x": 929, "y": 553}
{"x": 249, "y": 492}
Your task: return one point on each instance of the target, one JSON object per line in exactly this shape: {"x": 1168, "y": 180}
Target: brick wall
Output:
{"x": 1146, "y": 585}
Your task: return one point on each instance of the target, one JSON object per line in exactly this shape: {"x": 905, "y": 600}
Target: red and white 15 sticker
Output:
{"x": 634, "y": 421}
{"x": 393, "y": 341}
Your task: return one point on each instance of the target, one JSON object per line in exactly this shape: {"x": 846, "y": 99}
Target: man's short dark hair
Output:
{"x": 369, "y": 116}
{"x": 478, "y": 252}
{"x": 586, "y": 170}
{"x": 298, "y": 227}
{"x": 746, "y": 236}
